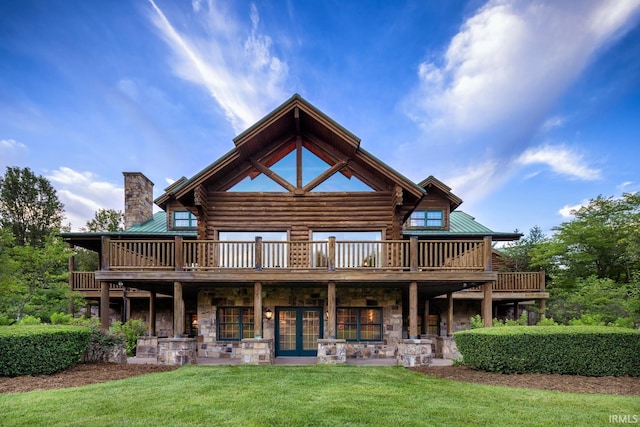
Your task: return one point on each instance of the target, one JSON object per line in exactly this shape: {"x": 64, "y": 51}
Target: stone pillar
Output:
{"x": 413, "y": 310}
{"x": 449, "y": 314}
{"x": 104, "y": 306}
{"x": 152, "y": 313}
{"x": 138, "y": 198}
{"x": 487, "y": 304}
{"x": 331, "y": 308}
{"x": 257, "y": 310}
{"x": 332, "y": 352}
{"x": 178, "y": 310}
{"x": 413, "y": 353}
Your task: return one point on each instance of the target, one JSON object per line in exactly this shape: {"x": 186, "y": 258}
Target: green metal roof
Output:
{"x": 157, "y": 225}
{"x": 462, "y": 224}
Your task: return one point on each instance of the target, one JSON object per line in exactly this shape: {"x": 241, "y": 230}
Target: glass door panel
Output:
{"x": 298, "y": 330}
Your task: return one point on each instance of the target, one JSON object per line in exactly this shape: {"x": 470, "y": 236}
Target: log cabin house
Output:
{"x": 298, "y": 242}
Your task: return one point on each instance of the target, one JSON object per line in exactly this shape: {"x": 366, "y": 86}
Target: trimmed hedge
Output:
{"x": 574, "y": 350}
{"x": 41, "y": 349}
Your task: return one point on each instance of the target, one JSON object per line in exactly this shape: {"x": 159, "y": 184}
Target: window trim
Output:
{"x": 193, "y": 220}
{"x": 425, "y": 219}
{"x": 359, "y": 324}
{"x": 239, "y": 322}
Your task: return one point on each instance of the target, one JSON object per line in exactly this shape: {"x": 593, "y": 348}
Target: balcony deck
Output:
{"x": 154, "y": 264}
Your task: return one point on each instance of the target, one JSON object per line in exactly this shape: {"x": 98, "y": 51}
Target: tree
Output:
{"x": 29, "y": 206}
{"x": 519, "y": 255}
{"x": 105, "y": 220}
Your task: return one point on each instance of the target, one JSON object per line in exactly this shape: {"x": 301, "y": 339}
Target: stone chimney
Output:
{"x": 138, "y": 198}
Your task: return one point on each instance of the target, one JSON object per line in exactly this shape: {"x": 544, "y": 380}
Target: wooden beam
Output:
{"x": 274, "y": 176}
{"x": 104, "y": 253}
{"x": 487, "y": 304}
{"x": 413, "y": 310}
{"x": 425, "y": 319}
{"x": 331, "y": 308}
{"x": 152, "y": 313}
{"x": 257, "y": 310}
{"x": 449, "y": 314}
{"x": 178, "y": 310}
{"x": 324, "y": 176}
{"x": 487, "y": 253}
{"x": 104, "y": 306}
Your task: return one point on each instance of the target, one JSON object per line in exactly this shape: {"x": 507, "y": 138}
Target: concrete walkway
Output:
{"x": 290, "y": 361}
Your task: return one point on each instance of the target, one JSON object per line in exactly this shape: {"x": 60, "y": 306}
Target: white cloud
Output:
{"x": 12, "y": 153}
{"x": 561, "y": 160}
{"x": 83, "y": 193}
{"x": 236, "y": 65}
{"x": 570, "y": 211}
{"x": 493, "y": 90}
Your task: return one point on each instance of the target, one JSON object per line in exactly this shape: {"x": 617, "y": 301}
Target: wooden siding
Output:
{"x": 436, "y": 202}
{"x": 300, "y": 214}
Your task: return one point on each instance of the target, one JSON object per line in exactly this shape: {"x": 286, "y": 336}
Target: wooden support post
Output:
{"x": 104, "y": 306}
{"x": 331, "y": 253}
{"x": 152, "y": 313}
{"x": 104, "y": 253}
{"x": 258, "y": 253}
{"x": 542, "y": 307}
{"x": 331, "y": 309}
{"x": 487, "y": 304}
{"x": 257, "y": 309}
{"x": 515, "y": 310}
{"x": 413, "y": 310}
{"x": 179, "y": 254}
{"x": 425, "y": 321}
{"x": 449, "y": 314}
{"x": 413, "y": 253}
{"x": 178, "y": 310}
{"x": 488, "y": 248}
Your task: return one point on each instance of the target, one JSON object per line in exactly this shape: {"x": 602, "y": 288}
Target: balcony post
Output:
{"x": 105, "y": 256}
{"x": 257, "y": 308}
{"x": 331, "y": 310}
{"x": 487, "y": 304}
{"x": 449, "y": 314}
{"x": 179, "y": 254}
{"x": 178, "y": 310}
{"x": 331, "y": 254}
{"x": 152, "y": 313}
{"x": 104, "y": 306}
{"x": 413, "y": 253}
{"x": 487, "y": 253}
{"x": 258, "y": 254}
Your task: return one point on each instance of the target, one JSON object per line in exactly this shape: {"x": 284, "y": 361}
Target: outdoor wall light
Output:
{"x": 268, "y": 314}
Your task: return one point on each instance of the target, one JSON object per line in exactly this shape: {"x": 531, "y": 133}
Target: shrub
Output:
{"x": 476, "y": 322}
{"x": 131, "y": 330}
{"x": 29, "y": 320}
{"x": 574, "y": 350}
{"x": 547, "y": 322}
{"x": 41, "y": 349}
{"x": 61, "y": 319}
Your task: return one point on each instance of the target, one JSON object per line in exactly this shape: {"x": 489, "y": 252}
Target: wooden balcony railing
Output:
{"x": 409, "y": 255}
{"x": 86, "y": 281}
{"x": 517, "y": 282}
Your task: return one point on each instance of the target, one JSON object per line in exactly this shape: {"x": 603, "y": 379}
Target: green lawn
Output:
{"x": 305, "y": 395}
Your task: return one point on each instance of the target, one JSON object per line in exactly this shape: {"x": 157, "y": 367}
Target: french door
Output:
{"x": 298, "y": 330}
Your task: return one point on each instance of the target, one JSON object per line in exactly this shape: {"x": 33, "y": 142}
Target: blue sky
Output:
{"x": 526, "y": 109}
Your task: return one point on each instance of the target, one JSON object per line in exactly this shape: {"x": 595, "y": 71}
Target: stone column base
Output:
{"x": 415, "y": 352}
{"x": 147, "y": 347}
{"x": 256, "y": 351}
{"x": 177, "y": 351}
{"x": 446, "y": 348}
{"x": 332, "y": 351}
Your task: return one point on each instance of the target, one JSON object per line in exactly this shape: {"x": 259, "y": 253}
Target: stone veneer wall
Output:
{"x": 177, "y": 351}
{"x": 389, "y": 299}
{"x": 463, "y": 310}
{"x": 138, "y": 198}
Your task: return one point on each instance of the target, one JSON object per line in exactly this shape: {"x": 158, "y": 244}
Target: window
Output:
{"x": 431, "y": 218}
{"x": 360, "y": 324}
{"x": 235, "y": 323}
{"x": 184, "y": 219}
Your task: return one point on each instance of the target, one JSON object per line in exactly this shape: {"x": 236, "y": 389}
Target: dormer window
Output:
{"x": 184, "y": 219}
{"x": 427, "y": 219}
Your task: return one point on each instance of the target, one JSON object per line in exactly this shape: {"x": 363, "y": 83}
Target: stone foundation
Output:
{"x": 446, "y": 348}
{"x": 257, "y": 351}
{"x": 331, "y": 351}
{"x": 416, "y": 352}
{"x": 177, "y": 351}
{"x": 370, "y": 350}
{"x": 147, "y": 347}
